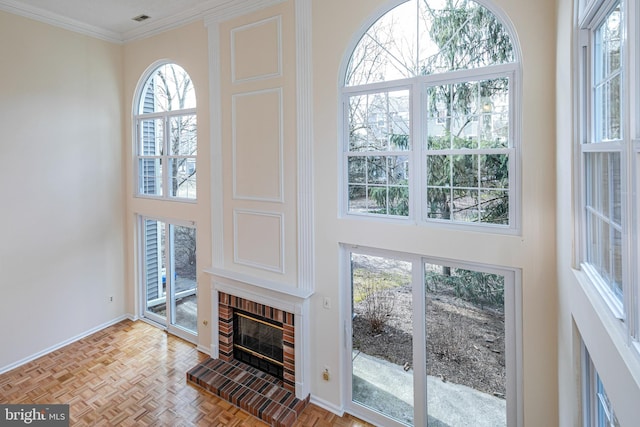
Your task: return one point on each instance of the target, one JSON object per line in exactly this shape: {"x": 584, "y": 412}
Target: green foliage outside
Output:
{"x": 484, "y": 290}
{"x": 468, "y": 35}
{"x": 393, "y": 200}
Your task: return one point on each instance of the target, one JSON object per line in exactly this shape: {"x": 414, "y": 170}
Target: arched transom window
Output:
{"x": 166, "y": 137}
{"x": 429, "y": 109}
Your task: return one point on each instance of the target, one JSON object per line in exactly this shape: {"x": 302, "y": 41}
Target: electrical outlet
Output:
{"x": 111, "y": 299}
{"x": 325, "y": 374}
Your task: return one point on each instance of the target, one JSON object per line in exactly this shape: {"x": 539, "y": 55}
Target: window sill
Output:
{"x": 592, "y": 280}
{"x": 435, "y": 223}
{"x": 602, "y": 312}
{"x": 166, "y": 199}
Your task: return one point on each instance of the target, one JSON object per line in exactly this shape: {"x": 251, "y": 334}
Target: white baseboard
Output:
{"x": 46, "y": 351}
{"x": 338, "y": 410}
{"x": 202, "y": 349}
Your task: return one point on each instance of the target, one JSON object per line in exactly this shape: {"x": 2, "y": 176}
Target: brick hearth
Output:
{"x": 252, "y": 390}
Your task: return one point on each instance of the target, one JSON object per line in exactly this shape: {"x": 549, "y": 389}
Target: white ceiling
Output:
{"x": 112, "y": 19}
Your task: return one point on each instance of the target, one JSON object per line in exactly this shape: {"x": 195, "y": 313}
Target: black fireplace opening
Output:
{"x": 257, "y": 341}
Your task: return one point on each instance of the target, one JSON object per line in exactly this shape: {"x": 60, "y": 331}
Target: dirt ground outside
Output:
{"x": 465, "y": 343}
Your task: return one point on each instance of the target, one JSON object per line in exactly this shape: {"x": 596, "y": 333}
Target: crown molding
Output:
{"x": 177, "y": 20}
{"x": 213, "y": 11}
{"x": 60, "y": 21}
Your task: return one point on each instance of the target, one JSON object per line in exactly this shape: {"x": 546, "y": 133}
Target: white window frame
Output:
{"x": 509, "y": 71}
{"x": 590, "y": 15}
{"x": 418, "y": 151}
{"x": 393, "y": 86}
{"x": 166, "y": 157}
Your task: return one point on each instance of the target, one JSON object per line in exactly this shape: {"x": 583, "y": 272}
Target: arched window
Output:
{"x": 428, "y": 102}
{"x": 166, "y": 137}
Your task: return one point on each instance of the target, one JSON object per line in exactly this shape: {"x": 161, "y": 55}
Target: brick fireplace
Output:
{"x": 227, "y": 304}
{"x": 276, "y": 401}
{"x": 285, "y": 305}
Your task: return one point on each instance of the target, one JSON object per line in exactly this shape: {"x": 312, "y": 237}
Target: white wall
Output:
{"x": 582, "y": 313}
{"x": 62, "y": 247}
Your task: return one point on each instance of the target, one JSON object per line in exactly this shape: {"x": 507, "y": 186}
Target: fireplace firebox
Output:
{"x": 257, "y": 341}
{"x": 229, "y": 304}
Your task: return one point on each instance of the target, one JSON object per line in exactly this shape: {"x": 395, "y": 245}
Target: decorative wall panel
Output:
{"x": 257, "y": 145}
{"x": 259, "y": 239}
{"x": 256, "y": 50}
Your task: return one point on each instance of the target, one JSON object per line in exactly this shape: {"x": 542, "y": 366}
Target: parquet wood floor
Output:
{"x": 133, "y": 374}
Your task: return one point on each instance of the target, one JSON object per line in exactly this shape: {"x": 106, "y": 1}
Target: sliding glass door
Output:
{"x": 430, "y": 343}
{"x": 168, "y": 282}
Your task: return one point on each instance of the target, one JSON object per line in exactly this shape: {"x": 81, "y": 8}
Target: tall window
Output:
{"x": 166, "y": 137}
{"x": 605, "y": 155}
{"x": 429, "y": 115}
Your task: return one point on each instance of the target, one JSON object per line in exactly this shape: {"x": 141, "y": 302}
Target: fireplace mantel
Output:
{"x": 282, "y": 297}
{"x": 255, "y": 285}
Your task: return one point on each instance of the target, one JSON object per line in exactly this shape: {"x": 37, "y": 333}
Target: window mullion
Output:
{"x": 610, "y": 207}
{"x": 165, "y": 157}
{"x": 627, "y": 230}
{"x": 419, "y": 150}
{"x": 419, "y": 341}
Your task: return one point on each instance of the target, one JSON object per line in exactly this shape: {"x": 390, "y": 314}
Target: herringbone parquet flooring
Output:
{"x": 133, "y": 374}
